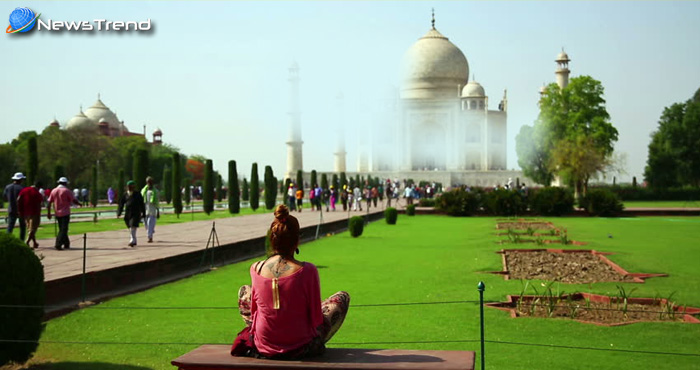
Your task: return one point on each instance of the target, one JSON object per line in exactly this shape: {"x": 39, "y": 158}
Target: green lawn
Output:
{"x": 662, "y": 204}
{"x": 46, "y": 230}
{"x": 421, "y": 259}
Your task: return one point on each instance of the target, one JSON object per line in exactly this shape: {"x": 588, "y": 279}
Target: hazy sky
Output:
{"x": 213, "y": 75}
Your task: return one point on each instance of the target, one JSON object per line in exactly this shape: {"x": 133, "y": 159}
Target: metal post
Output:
{"x": 481, "y": 287}
{"x": 213, "y": 235}
{"x": 84, "y": 259}
{"x": 320, "y": 221}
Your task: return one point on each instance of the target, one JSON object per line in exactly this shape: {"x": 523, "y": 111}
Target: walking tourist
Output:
{"x": 85, "y": 195}
{"x": 333, "y": 197}
{"x": 312, "y": 198}
{"x": 291, "y": 196}
{"x": 29, "y": 203}
{"x": 110, "y": 195}
{"x": 300, "y": 198}
{"x": 344, "y": 197}
{"x": 282, "y": 308}
{"x": 62, "y": 198}
{"x": 131, "y": 204}
{"x": 10, "y": 194}
{"x": 150, "y": 195}
{"x": 357, "y": 197}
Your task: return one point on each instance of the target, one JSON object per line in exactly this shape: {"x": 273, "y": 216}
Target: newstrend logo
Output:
{"x": 23, "y": 20}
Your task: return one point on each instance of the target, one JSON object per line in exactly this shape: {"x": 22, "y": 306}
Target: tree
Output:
{"x": 121, "y": 184}
{"x": 343, "y": 179}
{"x": 246, "y": 191}
{"x": 234, "y": 203}
{"x": 674, "y": 150}
{"x": 32, "y": 160}
{"x": 270, "y": 188}
{"x": 140, "y": 169}
{"x": 569, "y": 119}
{"x": 335, "y": 182}
{"x": 533, "y": 156}
{"x": 177, "y": 184}
{"x": 58, "y": 172}
{"x": 93, "y": 187}
{"x": 324, "y": 181}
{"x": 300, "y": 180}
{"x": 219, "y": 188}
{"x": 314, "y": 180}
{"x": 254, "y": 188}
{"x": 167, "y": 183}
{"x": 208, "y": 187}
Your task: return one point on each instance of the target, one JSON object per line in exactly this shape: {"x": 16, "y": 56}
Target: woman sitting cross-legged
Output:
{"x": 285, "y": 318}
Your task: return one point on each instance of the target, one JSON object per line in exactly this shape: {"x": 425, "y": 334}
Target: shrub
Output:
{"x": 356, "y": 225}
{"x": 601, "y": 202}
{"x": 552, "y": 201}
{"x": 22, "y": 282}
{"x": 390, "y": 215}
{"x": 427, "y": 202}
{"x": 504, "y": 202}
{"x": 458, "y": 202}
{"x": 411, "y": 210}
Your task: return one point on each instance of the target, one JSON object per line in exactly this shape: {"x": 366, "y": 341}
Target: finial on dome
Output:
{"x": 98, "y": 96}
{"x": 81, "y": 108}
{"x": 433, "y": 20}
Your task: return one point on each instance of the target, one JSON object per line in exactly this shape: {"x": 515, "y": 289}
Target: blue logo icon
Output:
{"x": 21, "y": 20}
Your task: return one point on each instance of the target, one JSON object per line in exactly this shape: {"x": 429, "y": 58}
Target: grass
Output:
{"x": 106, "y": 224}
{"x": 661, "y": 204}
{"x": 420, "y": 259}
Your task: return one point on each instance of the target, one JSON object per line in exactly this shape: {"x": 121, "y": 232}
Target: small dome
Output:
{"x": 433, "y": 67}
{"x": 158, "y": 132}
{"x": 103, "y": 122}
{"x": 543, "y": 89}
{"x": 99, "y": 111}
{"x": 473, "y": 90}
{"x": 562, "y": 57}
{"x": 54, "y": 123}
{"x": 80, "y": 122}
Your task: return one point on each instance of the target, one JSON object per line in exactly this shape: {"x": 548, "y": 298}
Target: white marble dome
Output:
{"x": 562, "y": 57}
{"x": 473, "y": 90}
{"x": 433, "y": 67}
{"x": 99, "y": 111}
{"x": 80, "y": 122}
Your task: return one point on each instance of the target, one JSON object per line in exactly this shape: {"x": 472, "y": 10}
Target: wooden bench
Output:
{"x": 218, "y": 357}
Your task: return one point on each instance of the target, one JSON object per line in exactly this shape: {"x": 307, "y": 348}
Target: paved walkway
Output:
{"x": 109, "y": 249}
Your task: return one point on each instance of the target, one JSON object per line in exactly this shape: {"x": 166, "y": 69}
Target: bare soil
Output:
{"x": 524, "y": 225}
{"x": 570, "y": 268}
{"x": 598, "y": 309}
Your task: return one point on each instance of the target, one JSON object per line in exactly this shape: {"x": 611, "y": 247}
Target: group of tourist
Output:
{"x": 26, "y": 202}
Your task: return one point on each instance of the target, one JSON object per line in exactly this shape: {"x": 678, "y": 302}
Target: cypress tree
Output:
{"x": 357, "y": 181}
{"x": 254, "y": 188}
{"x": 208, "y": 187}
{"x": 58, "y": 172}
{"x": 300, "y": 180}
{"x": 121, "y": 184}
{"x": 32, "y": 161}
{"x": 176, "y": 184}
{"x": 270, "y": 188}
{"x": 219, "y": 188}
{"x": 234, "y": 203}
{"x": 335, "y": 182}
{"x": 246, "y": 190}
{"x": 313, "y": 179}
{"x": 93, "y": 187}
{"x": 140, "y": 168}
{"x": 343, "y": 179}
{"x": 324, "y": 181}
{"x": 285, "y": 186}
{"x": 167, "y": 184}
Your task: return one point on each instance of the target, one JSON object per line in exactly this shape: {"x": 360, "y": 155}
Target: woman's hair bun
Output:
{"x": 281, "y": 213}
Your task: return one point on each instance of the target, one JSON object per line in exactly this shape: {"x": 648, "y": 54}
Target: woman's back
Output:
{"x": 285, "y": 305}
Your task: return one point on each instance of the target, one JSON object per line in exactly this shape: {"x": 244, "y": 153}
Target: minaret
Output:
{"x": 562, "y": 71}
{"x": 340, "y": 154}
{"x": 294, "y": 157}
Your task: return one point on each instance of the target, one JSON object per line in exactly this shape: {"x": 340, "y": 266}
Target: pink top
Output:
{"x": 63, "y": 199}
{"x": 294, "y": 323}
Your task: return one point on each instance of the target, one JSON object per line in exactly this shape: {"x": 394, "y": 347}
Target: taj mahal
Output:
{"x": 440, "y": 126}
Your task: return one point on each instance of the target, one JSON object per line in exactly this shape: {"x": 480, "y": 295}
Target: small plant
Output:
{"x": 356, "y": 225}
{"x": 573, "y": 307}
{"x": 530, "y": 231}
{"x": 390, "y": 215}
{"x": 539, "y": 241}
{"x": 564, "y": 238}
{"x": 624, "y": 295}
{"x": 669, "y": 306}
{"x": 551, "y": 298}
{"x": 411, "y": 210}
{"x": 519, "y": 304}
